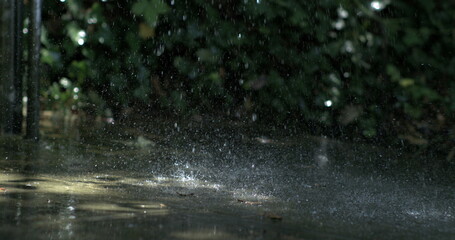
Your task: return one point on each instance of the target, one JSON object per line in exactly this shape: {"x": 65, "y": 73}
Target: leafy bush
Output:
{"x": 374, "y": 68}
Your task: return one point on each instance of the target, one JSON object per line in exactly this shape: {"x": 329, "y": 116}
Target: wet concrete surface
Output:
{"x": 183, "y": 181}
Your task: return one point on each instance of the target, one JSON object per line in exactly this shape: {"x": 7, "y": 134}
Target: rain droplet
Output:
{"x": 82, "y": 34}
{"x": 342, "y": 13}
{"x": 328, "y": 103}
{"x": 254, "y": 117}
{"x": 159, "y": 51}
{"x": 348, "y": 47}
{"x": 339, "y": 24}
{"x": 378, "y": 5}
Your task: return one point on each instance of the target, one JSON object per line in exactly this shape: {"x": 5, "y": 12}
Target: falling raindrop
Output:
{"x": 342, "y": 13}
{"x": 65, "y": 82}
{"x": 348, "y": 47}
{"x": 82, "y": 34}
{"x": 254, "y": 117}
{"x": 328, "y": 103}
{"x": 378, "y": 5}
{"x": 160, "y": 50}
{"x": 92, "y": 20}
{"x": 339, "y": 24}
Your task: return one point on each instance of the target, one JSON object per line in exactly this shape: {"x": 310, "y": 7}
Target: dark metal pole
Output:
{"x": 2, "y": 64}
{"x": 33, "y": 105}
{"x": 18, "y": 67}
{"x": 7, "y": 93}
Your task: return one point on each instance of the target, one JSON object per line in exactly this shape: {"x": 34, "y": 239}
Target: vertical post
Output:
{"x": 33, "y": 105}
{"x": 2, "y": 64}
{"x": 7, "y": 92}
{"x": 18, "y": 67}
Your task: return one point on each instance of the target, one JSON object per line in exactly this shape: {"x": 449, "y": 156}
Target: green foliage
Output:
{"x": 63, "y": 95}
{"x": 150, "y": 10}
{"x": 337, "y": 63}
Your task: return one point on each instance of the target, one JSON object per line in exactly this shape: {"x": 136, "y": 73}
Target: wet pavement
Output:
{"x": 189, "y": 181}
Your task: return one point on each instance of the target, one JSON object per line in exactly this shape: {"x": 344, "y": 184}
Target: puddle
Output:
{"x": 230, "y": 187}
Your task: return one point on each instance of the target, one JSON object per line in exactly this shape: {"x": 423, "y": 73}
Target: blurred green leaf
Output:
{"x": 284, "y": 58}
{"x": 150, "y": 10}
{"x": 406, "y": 82}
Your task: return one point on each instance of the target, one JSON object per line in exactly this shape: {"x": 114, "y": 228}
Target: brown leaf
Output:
{"x": 145, "y": 31}
{"x": 273, "y": 216}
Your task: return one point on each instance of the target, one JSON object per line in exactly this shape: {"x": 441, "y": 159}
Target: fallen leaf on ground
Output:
{"x": 248, "y": 202}
{"x": 273, "y": 216}
{"x": 185, "y": 194}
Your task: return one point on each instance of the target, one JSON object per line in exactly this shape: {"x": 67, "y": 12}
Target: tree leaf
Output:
{"x": 150, "y": 10}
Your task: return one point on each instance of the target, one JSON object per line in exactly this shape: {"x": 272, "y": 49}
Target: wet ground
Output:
{"x": 197, "y": 180}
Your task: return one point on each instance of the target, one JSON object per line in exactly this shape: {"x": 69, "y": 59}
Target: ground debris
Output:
{"x": 185, "y": 194}
{"x": 272, "y": 216}
{"x": 248, "y": 202}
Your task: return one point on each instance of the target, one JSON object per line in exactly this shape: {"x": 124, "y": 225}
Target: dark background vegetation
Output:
{"x": 371, "y": 70}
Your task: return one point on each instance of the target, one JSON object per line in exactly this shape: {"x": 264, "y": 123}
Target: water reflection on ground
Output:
{"x": 190, "y": 181}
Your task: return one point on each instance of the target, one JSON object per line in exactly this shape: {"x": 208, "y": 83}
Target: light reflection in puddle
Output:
{"x": 185, "y": 181}
{"x": 16, "y": 183}
{"x": 128, "y": 208}
{"x": 203, "y": 234}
